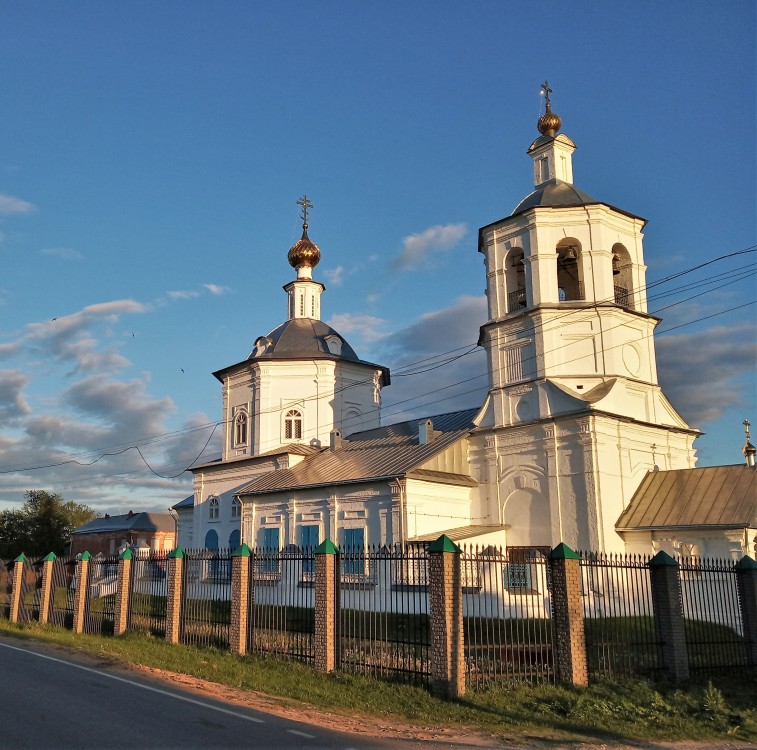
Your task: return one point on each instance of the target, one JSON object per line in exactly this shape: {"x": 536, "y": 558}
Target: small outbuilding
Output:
{"x": 109, "y": 534}
{"x": 710, "y": 511}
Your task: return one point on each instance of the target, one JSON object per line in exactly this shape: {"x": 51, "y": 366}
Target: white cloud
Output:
{"x": 418, "y": 249}
{"x": 431, "y": 347}
{"x": 216, "y": 289}
{"x": 366, "y": 327}
{"x": 64, "y": 253}
{"x": 184, "y": 294}
{"x": 700, "y": 371}
{"x": 334, "y": 276}
{"x": 12, "y": 206}
{"x": 12, "y": 402}
{"x": 70, "y": 337}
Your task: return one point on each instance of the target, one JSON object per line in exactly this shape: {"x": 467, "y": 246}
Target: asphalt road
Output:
{"x": 60, "y": 703}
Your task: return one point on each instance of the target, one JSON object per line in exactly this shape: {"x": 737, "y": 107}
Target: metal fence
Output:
{"x": 31, "y": 581}
{"x": 63, "y": 592}
{"x": 206, "y": 606}
{"x": 281, "y": 618}
{"x": 101, "y": 595}
{"x": 507, "y": 619}
{"x": 6, "y": 586}
{"x": 618, "y": 617}
{"x": 710, "y": 598}
{"x": 384, "y": 621}
{"x": 148, "y": 593}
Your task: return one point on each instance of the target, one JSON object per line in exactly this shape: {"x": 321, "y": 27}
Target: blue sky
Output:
{"x": 151, "y": 154}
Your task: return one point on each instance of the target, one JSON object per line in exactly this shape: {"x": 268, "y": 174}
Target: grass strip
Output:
{"x": 630, "y": 710}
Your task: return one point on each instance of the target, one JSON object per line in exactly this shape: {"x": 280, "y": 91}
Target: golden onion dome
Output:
{"x": 549, "y": 123}
{"x": 304, "y": 252}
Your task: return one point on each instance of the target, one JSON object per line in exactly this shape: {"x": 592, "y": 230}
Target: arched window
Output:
{"x": 211, "y": 540}
{"x": 569, "y": 282}
{"x": 240, "y": 429}
{"x": 213, "y": 508}
{"x": 236, "y": 508}
{"x": 622, "y": 276}
{"x": 234, "y": 539}
{"x": 515, "y": 280}
{"x": 293, "y": 425}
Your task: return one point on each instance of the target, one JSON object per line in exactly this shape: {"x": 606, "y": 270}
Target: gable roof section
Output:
{"x": 129, "y": 522}
{"x": 715, "y": 496}
{"x": 381, "y": 453}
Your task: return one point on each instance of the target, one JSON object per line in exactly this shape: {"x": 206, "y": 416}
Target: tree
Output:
{"x": 43, "y": 524}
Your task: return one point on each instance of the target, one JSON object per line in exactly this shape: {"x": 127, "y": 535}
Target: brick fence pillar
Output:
{"x": 568, "y": 616}
{"x": 446, "y": 616}
{"x": 81, "y": 599}
{"x": 46, "y": 591}
{"x": 174, "y": 595}
{"x": 665, "y": 581}
{"x": 123, "y": 593}
{"x": 240, "y": 599}
{"x": 327, "y": 607}
{"x": 746, "y": 579}
{"x": 19, "y": 569}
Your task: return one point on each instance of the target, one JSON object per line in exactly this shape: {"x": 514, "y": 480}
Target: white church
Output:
{"x": 573, "y": 423}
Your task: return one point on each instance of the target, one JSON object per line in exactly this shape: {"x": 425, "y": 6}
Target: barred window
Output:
{"x": 293, "y": 425}
{"x": 213, "y": 508}
{"x": 240, "y": 429}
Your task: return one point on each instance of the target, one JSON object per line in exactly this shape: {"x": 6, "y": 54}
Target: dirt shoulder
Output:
{"x": 364, "y": 725}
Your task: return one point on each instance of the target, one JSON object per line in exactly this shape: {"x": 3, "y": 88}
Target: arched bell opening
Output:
{"x": 622, "y": 276}
{"x": 515, "y": 280}
{"x": 570, "y": 284}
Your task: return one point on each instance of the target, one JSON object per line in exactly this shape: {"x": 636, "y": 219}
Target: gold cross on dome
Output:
{"x": 546, "y": 91}
{"x": 306, "y": 204}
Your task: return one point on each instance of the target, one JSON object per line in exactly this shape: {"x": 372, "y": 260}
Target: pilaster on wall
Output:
{"x": 241, "y": 594}
{"x": 746, "y": 579}
{"x": 82, "y": 591}
{"x": 123, "y": 591}
{"x": 19, "y": 568}
{"x": 45, "y": 596}
{"x": 175, "y": 595}
{"x": 568, "y": 616}
{"x": 327, "y": 607}
{"x": 446, "y": 615}
{"x": 667, "y": 606}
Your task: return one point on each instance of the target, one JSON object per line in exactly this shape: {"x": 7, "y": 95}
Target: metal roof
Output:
{"x": 381, "y": 453}
{"x": 187, "y": 502}
{"x": 555, "y": 193}
{"x": 715, "y": 496}
{"x": 129, "y": 522}
{"x": 459, "y": 534}
{"x": 304, "y": 338}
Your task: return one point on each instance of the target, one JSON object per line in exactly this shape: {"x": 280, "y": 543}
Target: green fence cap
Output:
{"x": 176, "y": 554}
{"x": 86, "y": 556}
{"x": 746, "y": 563}
{"x": 126, "y": 554}
{"x": 326, "y": 547}
{"x": 662, "y": 559}
{"x": 563, "y": 552}
{"x": 21, "y": 558}
{"x": 443, "y": 544}
{"x": 241, "y": 551}
{"x": 50, "y": 558}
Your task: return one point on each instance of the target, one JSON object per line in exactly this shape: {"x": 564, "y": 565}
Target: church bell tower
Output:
{"x": 575, "y": 415}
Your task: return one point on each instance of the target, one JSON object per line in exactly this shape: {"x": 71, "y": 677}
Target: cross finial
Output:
{"x": 545, "y": 92}
{"x": 306, "y": 204}
{"x": 746, "y": 424}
